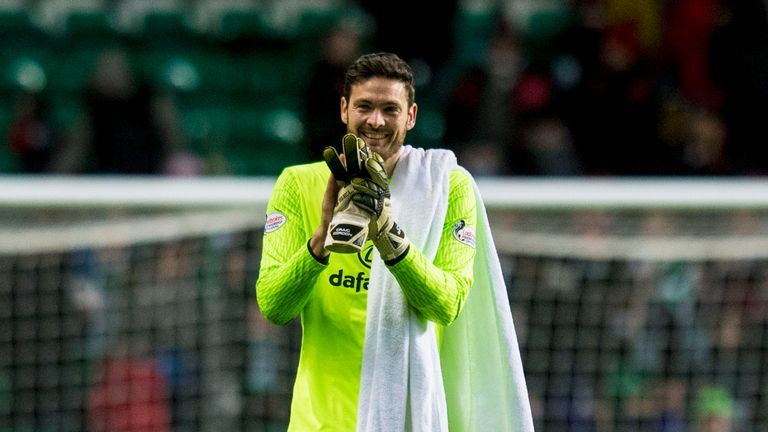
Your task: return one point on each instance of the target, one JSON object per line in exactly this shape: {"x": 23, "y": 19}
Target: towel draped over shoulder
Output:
{"x": 475, "y": 382}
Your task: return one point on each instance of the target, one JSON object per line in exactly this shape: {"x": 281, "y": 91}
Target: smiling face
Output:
{"x": 377, "y": 111}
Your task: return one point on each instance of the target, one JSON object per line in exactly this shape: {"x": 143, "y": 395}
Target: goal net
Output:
{"x": 128, "y": 304}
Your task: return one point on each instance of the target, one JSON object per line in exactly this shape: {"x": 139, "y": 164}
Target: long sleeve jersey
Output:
{"x": 331, "y": 298}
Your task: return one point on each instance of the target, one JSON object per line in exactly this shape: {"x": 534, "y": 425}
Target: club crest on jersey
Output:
{"x": 273, "y": 222}
{"x": 464, "y": 233}
{"x": 365, "y": 256}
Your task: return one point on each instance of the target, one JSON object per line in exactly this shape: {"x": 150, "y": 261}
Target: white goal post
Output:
{"x": 31, "y": 191}
{"x": 211, "y": 204}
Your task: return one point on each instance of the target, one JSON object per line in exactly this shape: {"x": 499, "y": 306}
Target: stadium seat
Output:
{"x": 71, "y": 71}
{"x": 15, "y": 21}
{"x": 192, "y": 70}
{"x": 89, "y": 23}
{"x": 429, "y": 130}
{"x": 160, "y": 25}
{"x": 9, "y": 163}
{"x": 76, "y": 23}
{"x": 265, "y": 139}
{"x": 18, "y": 31}
{"x": 179, "y": 74}
{"x": 315, "y": 22}
{"x": 274, "y": 72}
{"x": 254, "y": 140}
{"x": 24, "y": 71}
{"x": 147, "y": 18}
{"x": 207, "y": 126}
{"x": 472, "y": 30}
{"x": 545, "y": 24}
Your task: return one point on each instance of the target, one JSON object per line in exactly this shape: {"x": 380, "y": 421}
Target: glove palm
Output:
{"x": 349, "y": 226}
{"x": 372, "y": 194}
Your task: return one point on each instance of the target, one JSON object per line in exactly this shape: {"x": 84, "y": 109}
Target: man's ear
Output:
{"x": 411, "y": 121}
{"x": 344, "y": 114}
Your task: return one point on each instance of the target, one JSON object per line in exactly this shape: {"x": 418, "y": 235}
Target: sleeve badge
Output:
{"x": 464, "y": 233}
{"x": 273, "y": 222}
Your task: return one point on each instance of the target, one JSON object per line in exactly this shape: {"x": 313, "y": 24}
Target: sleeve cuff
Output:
{"x": 323, "y": 261}
{"x": 394, "y": 261}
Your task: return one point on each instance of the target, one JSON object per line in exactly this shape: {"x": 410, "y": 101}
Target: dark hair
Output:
{"x": 383, "y": 65}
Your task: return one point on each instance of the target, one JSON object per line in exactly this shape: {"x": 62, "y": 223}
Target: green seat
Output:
{"x": 66, "y": 111}
{"x": 91, "y": 28}
{"x": 18, "y": 31}
{"x": 244, "y": 24}
{"x": 25, "y": 71}
{"x": 166, "y": 23}
{"x": 255, "y": 139}
{"x": 175, "y": 71}
{"x": 266, "y": 139}
{"x": 208, "y": 127}
{"x": 9, "y": 163}
{"x": 429, "y": 130}
{"x": 219, "y": 72}
{"x": 24, "y": 52}
{"x": 275, "y": 73}
{"x": 314, "y": 23}
{"x": 545, "y": 24}
{"x": 71, "y": 71}
{"x": 193, "y": 70}
{"x": 472, "y": 30}
{"x": 170, "y": 31}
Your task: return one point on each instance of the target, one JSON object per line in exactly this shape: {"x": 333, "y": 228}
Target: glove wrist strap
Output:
{"x": 391, "y": 243}
{"x": 348, "y": 230}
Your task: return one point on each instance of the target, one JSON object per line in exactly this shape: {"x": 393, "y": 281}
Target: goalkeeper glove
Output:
{"x": 348, "y": 228}
{"x": 371, "y": 193}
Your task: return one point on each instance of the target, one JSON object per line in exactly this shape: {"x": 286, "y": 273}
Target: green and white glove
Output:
{"x": 371, "y": 193}
{"x": 349, "y": 226}
{"x": 355, "y": 154}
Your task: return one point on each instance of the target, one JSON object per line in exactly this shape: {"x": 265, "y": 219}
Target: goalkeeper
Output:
{"x": 390, "y": 331}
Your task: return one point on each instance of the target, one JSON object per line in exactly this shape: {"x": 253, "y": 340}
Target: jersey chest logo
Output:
{"x": 356, "y": 282}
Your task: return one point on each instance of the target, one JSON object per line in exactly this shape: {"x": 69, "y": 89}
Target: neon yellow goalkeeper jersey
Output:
{"x": 331, "y": 298}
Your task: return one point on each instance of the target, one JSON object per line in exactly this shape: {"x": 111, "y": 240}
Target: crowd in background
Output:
{"x": 555, "y": 88}
{"x": 515, "y": 87}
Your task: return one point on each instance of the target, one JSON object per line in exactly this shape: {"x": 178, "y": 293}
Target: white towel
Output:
{"x": 402, "y": 386}
{"x": 482, "y": 369}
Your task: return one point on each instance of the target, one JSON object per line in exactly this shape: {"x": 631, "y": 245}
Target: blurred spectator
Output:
{"x": 739, "y": 64}
{"x": 704, "y": 145}
{"x": 546, "y": 148}
{"x": 32, "y": 134}
{"x": 502, "y": 117}
{"x": 685, "y": 50}
{"x": 421, "y": 36}
{"x": 615, "y": 117}
{"x": 339, "y": 48}
{"x": 130, "y": 395}
{"x": 645, "y": 15}
{"x": 542, "y": 142}
{"x": 694, "y": 138}
{"x": 714, "y": 410}
{"x": 127, "y": 127}
{"x": 480, "y": 116}
{"x": 265, "y": 338}
{"x": 669, "y": 410}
